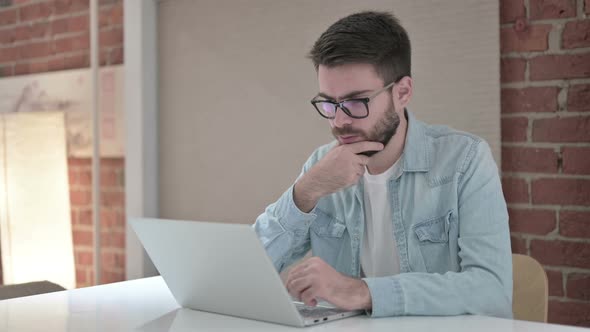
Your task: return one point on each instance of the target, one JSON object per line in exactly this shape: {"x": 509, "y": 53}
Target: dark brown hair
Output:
{"x": 375, "y": 38}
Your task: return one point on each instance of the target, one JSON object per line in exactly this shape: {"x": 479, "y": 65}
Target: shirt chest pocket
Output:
{"x": 327, "y": 226}
{"x": 434, "y": 230}
{"x": 433, "y": 242}
{"x": 327, "y": 237}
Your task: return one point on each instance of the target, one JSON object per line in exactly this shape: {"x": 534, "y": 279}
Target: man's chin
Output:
{"x": 365, "y": 153}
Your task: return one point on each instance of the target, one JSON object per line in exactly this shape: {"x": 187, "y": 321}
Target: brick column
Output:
{"x": 545, "y": 73}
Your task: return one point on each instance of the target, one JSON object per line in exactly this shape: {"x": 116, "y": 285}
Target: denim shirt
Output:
{"x": 449, "y": 220}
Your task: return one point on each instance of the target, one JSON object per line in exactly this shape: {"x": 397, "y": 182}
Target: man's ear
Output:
{"x": 403, "y": 90}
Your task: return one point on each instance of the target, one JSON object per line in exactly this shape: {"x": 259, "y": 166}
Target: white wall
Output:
{"x": 141, "y": 164}
{"x": 235, "y": 120}
{"x": 198, "y": 149}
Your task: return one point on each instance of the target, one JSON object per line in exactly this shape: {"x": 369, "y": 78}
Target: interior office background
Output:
{"x": 545, "y": 132}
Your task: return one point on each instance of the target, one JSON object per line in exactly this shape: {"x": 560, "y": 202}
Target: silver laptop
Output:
{"x": 223, "y": 268}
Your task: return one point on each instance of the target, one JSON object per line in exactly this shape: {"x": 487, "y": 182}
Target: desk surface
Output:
{"x": 148, "y": 305}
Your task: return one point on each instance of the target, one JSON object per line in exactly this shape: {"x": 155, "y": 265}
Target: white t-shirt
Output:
{"x": 379, "y": 254}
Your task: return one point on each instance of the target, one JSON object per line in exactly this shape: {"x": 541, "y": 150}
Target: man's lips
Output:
{"x": 347, "y": 139}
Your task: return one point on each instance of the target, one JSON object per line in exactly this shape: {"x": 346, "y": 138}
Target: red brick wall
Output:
{"x": 112, "y": 214}
{"x": 545, "y": 48}
{"x": 48, "y": 35}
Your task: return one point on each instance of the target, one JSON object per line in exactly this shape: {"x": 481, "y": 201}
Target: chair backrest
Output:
{"x": 530, "y": 289}
{"x": 28, "y": 289}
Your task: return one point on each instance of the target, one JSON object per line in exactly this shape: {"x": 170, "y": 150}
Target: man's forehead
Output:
{"x": 345, "y": 81}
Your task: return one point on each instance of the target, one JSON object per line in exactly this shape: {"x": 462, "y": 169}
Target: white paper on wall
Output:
{"x": 70, "y": 91}
{"x": 35, "y": 226}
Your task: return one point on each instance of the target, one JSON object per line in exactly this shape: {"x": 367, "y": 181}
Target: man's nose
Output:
{"x": 341, "y": 119}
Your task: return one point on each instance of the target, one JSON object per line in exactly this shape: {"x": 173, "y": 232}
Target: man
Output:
{"x": 402, "y": 218}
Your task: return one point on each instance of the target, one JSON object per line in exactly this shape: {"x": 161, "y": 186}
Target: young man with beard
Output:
{"x": 402, "y": 218}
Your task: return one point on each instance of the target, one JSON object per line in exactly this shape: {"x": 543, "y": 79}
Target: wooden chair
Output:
{"x": 530, "y": 292}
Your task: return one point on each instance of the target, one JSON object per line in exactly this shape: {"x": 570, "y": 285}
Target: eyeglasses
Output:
{"x": 357, "y": 108}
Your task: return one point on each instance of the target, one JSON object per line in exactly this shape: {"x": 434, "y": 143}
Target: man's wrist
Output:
{"x": 363, "y": 296}
{"x": 304, "y": 196}
{"x": 356, "y": 293}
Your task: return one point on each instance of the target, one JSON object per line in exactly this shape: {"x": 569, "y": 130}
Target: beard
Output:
{"x": 382, "y": 132}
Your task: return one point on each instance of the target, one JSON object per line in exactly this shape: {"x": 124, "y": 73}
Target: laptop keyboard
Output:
{"x": 317, "y": 312}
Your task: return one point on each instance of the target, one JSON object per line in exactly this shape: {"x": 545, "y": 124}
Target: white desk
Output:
{"x": 147, "y": 305}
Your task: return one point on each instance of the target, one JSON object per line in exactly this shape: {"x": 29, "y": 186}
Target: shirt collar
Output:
{"x": 416, "y": 157}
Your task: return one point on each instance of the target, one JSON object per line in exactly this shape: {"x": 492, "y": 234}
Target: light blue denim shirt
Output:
{"x": 449, "y": 220}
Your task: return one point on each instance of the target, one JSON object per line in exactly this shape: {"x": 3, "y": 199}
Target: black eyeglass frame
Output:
{"x": 340, "y": 105}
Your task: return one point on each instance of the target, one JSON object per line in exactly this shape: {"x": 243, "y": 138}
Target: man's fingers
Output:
{"x": 296, "y": 272}
{"x": 359, "y": 170}
{"x": 364, "y": 146}
{"x": 363, "y": 159}
{"x": 297, "y": 286}
{"x": 308, "y": 297}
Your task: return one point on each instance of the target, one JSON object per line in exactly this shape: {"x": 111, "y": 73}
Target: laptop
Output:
{"x": 224, "y": 269}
